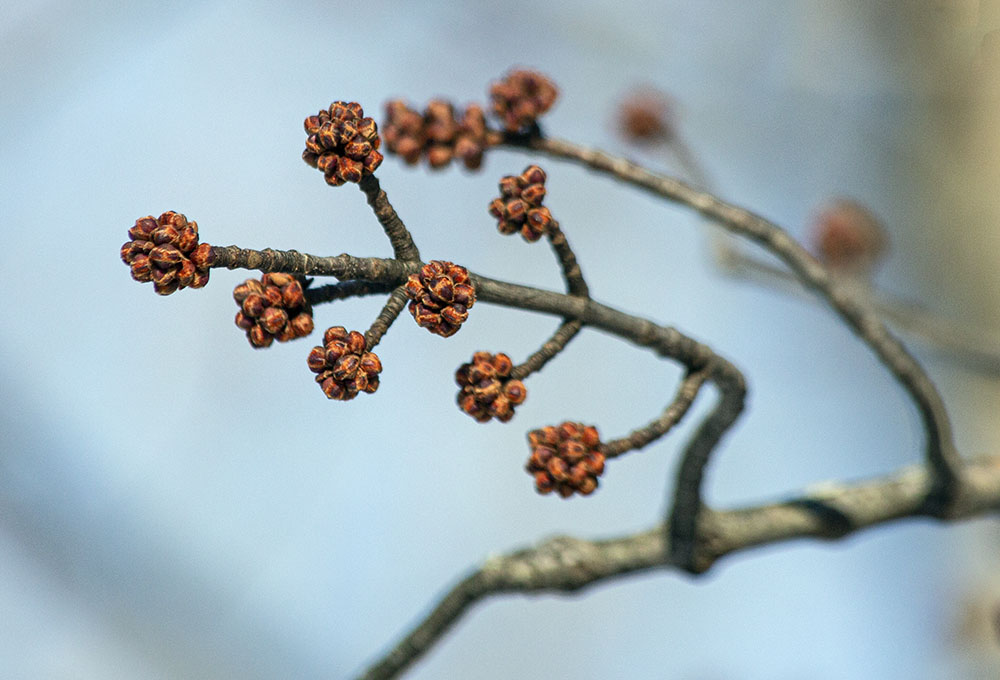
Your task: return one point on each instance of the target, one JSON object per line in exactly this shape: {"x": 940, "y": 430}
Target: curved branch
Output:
{"x": 566, "y": 564}
{"x": 672, "y": 414}
{"x": 942, "y": 457}
{"x": 567, "y": 331}
{"x": 974, "y": 348}
{"x": 687, "y": 505}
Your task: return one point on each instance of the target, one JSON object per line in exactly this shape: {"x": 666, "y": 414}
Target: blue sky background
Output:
{"x": 175, "y": 504}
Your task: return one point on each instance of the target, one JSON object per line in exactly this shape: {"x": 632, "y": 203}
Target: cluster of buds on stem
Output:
{"x": 646, "y": 117}
{"x": 487, "y": 390}
{"x": 849, "y": 238}
{"x": 441, "y": 295}
{"x": 342, "y": 143}
{"x": 165, "y": 250}
{"x": 437, "y": 134}
{"x": 343, "y": 366}
{"x": 519, "y": 207}
{"x": 565, "y": 459}
{"x": 273, "y": 308}
{"x": 521, "y": 97}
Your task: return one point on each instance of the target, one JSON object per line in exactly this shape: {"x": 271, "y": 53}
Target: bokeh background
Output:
{"x": 176, "y": 504}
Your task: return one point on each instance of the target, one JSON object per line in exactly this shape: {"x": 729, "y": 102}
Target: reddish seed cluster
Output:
{"x": 165, "y": 250}
{"x": 848, "y": 237}
{"x": 440, "y": 297}
{"x": 565, "y": 459}
{"x": 519, "y": 208}
{"x": 273, "y": 308}
{"x": 646, "y": 116}
{"x": 521, "y": 97}
{"x": 487, "y": 390}
{"x": 342, "y": 365}
{"x": 342, "y": 143}
{"x": 436, "y": 134}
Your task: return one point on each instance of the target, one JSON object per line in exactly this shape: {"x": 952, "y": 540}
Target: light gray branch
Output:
{"x": 566, "y": 564}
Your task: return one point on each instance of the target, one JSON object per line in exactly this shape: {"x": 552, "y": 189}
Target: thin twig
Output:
{"x": 970, "y": 347}
{"x": 565, "y": 564}
{"x": 659, "y": 426}
{"x": 567, "y": 261}
{"x": 399, "y": 236}
{"x": 390, "y": 312}
{"x": 975, "y": 349}
{"x": 567, "y": 331}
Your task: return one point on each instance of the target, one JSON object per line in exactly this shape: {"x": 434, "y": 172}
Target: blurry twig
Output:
{"x": 953, "y": 340}
{"x": 648, "y": 118}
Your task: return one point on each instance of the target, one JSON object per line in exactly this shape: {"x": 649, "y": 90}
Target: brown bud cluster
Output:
{"x": 437, "y": 133}
{"x": 440, "y": 297}
{"x": 646, "y": 116}
{"x": 165, "y": 250}
{"x": 487, "y": 390}
{"x": 519, "y": 208}
{"x": 273, "y": 308}
{"x": 521, "y": 97}
{"x": 342, "y": 143}
{"x": 848, "y": 237}
{"x": 342, "y": 365}
{"x": 565, "y": 459}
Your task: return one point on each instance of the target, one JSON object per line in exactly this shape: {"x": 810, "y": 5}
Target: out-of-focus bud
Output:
{"x": 848, "y": 238}
{"x": 646, "y": 116}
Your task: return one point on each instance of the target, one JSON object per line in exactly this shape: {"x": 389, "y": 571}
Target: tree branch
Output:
{"x": 399, "y": 236}
{"x": 974, "y": 348}
{"x": 390, "y": 312}
{"x": 941, "y": 454}
{"x": 566, "y": 564}
{"x": 659, "y": 426}
{"x": 693, "y": 537}
{"x": 665, "y": 341}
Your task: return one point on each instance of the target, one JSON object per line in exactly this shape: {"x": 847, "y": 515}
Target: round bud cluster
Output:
{"x": 646, "y": 116}
{"x": 440, "y": 297}
{"x": 519, "y": 208}
{"x": 165, "y": 250}
{"x": 342, "y": 143}
{"x": 487, "y": 390}
{"x": 436, "y": 133}
{"x": 273, "y": 308}
{"x": 565, "y": 459}
{"x": 342, "y": 365}
{"x": 848, "y": 238}
{"x": 521, "y": 97}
